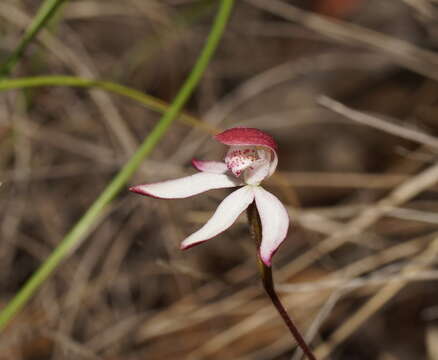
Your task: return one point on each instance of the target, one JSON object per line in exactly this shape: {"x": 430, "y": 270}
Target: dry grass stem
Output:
{"x": 358, "y": 269}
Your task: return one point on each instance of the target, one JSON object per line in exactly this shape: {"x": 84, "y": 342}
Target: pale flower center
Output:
{"x": 242, "y": 158}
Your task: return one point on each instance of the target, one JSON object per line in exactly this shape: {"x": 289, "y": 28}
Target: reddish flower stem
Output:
{"x": 268, "y": 283}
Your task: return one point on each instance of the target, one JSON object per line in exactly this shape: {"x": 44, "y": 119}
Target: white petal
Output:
{"x": 257, "y": 172}
{"x": 226, "y": 214}
{"x": 186, "y": 186}
{"x": 214, "y": 167}
{"x": 274, "y": 163}
{"x": 275, "y": 222}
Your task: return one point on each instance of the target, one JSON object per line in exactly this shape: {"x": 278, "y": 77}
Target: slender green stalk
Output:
{"x": 82, "y": 228}
{"x": 44, "y": 14}
{"x": 268, "y": 282}
{"x": 73, "y": 81}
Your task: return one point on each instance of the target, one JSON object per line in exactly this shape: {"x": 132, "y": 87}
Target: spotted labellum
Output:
{"x": 251, "y": 158}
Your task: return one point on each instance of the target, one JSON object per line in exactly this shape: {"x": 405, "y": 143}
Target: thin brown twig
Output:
{"x": 401, "y": 52}
{"x": 404, "y": 192}
{"x": 262, "y": 82}
{"x": 376, "y": 302}
{"x": 377, "y": 123}
{"x": 181, "y": 319}
{"x": 81, "y": 65}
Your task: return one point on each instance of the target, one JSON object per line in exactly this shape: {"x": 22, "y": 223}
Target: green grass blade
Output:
{"x": 82, "y": 227}
{"x": 148, "y": 101}
{"x": 43, "y": 15}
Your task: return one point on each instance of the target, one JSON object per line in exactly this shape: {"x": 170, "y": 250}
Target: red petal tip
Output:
{"x": 267, "y": 261}
{"x": 134, "y": 189}
{"x": 137, "y": 190}
{"x": 195, "y": 163}
{"x": 182, "y": 247}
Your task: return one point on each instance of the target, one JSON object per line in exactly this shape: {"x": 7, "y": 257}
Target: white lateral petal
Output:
{"x": 186, "y": 186}
{"x": 275, "y": 222}
{"x": 214, "y": 167}
{"x": 225, "y": 215}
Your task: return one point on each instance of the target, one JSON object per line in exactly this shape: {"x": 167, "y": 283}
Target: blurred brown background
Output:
{"x": 358, "y": 270}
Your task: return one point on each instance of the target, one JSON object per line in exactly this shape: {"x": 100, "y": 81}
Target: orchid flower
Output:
{"x": 251, "y": 158}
